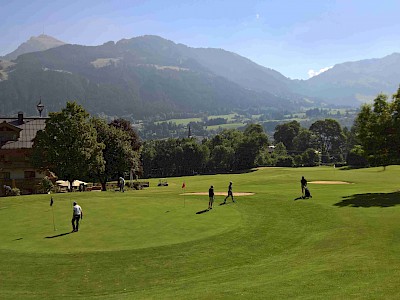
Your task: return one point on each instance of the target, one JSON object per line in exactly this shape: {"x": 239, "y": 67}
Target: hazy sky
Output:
{"x": 292, "y": 37}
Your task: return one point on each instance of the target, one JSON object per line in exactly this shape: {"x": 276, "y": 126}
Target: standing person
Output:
{"x": 77, "y": 215}
{"x": 121, "y": 184}
{"x": 211, "y": 197}
{"x": 303, "y": 183}
{"x": 229, "y": 192}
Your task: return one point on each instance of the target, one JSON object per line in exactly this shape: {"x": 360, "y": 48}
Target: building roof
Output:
{"x": 28, "y": 130}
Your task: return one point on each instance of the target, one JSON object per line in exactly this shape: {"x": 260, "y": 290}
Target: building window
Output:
{"x": 4, "y": 175}
{"x": 29, "y": 174}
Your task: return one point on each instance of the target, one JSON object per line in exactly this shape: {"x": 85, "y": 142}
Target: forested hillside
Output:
{"x": 138, "y": 77}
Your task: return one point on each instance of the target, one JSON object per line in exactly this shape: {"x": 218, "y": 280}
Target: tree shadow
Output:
{"x": 348, "y": 168}
{"x": 371, "y": 200}
{"x": 245, "y": 171}
{"x": 58, "y": 235}
{"x": 202, "y": 212}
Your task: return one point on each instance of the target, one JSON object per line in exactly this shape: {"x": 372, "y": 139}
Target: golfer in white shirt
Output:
{"x": 76, "y": 216}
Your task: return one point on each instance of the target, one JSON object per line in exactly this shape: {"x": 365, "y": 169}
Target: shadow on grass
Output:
{"x": 371, "y": 200}
{"x": 230, "y": 172}
{"x": 301, "y": 198}
{"x": 58, "y": 235}
{"x": 242, "y": 171}
{"x": 348, "y": 168}
{"x": 202, "y": 212}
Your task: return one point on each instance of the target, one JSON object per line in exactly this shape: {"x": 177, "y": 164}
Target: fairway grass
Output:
{"x": 156, "y": 243}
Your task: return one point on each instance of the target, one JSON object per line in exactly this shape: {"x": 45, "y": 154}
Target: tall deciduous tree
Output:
{"x": 304, "y": 140}
{"x": 286, "y": 133}
{"x": 147, "y": 158}
{"x": 68, "y": 145}
{"x": 126, "y": 126}
{"x": 134, "y": 139}
{"x": 194, "y": 156}
{"x": 222, "y": 150}
{"x": 330, "y": 138}
{"x": 221, "y": 158}
{"x": 118, "y": 153}
{"x": 378, "y": 129}
{"x": 248, "y": 149}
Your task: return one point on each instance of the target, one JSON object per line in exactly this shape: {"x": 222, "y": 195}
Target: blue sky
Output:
{"x": 292, "y": 37}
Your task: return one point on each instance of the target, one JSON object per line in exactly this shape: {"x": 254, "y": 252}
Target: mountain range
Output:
{"x": 148, "y": 75}
{"x": 353, "y": 83}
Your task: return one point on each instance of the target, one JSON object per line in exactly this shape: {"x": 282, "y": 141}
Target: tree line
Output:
{"x": 77, "y": 146}
{"x": 234, "y": 150}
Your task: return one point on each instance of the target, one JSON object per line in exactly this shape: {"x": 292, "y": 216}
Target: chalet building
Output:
{"x": 16, "y": 140}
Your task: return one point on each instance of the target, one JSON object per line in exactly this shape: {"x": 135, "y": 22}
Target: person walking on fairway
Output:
{"x": 121, "y": 184}
{"x": 77, "y": 214}
{"x": 303, "y": 183}
{"x": 211, "y": 197}
{"x": 229, "y": 193}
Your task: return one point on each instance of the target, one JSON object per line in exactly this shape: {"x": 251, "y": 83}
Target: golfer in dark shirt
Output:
{"x": 303, "y": 183}
{"x": 230, "y": 193}
{"x": 211, "y": 197}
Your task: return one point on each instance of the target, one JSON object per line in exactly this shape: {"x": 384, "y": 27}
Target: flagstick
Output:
{"x": 54, "y": 224}
{"x": 184, "y": 202}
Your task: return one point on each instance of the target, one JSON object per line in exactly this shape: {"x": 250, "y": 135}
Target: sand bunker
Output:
{"x": 219, "y": 194}
{"x": 329, "y": 182}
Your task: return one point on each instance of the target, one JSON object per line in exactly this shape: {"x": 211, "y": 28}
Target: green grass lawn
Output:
{"x": 226, "y": 126}
{"x": 150, "y": 244}
{"x": 180, "y": 121}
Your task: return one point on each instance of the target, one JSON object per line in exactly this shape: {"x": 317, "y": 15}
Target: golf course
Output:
{"x": 162, "y": 243}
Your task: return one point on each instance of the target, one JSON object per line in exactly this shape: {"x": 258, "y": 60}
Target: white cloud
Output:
{"x": 312, "y": 73}
{"x": 257, "y": 16}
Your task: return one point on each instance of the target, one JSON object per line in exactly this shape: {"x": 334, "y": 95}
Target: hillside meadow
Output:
{"x": 160, "y": 243}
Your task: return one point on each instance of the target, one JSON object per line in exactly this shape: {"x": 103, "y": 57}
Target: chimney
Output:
{"x": 20, "y": 118}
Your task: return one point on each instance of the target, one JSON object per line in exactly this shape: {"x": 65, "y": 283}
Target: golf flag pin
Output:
{"x": 51, "y": 201}
{"x": 183, "y": 185}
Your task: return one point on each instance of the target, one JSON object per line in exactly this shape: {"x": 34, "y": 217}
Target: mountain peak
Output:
{"x": 45, "y": 38}
{"x": 34, "y": 44}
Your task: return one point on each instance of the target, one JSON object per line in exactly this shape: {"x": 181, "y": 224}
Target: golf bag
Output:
{"x": 307, "y": 193}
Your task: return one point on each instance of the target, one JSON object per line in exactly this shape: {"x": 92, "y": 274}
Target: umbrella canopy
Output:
{"x": 75, "y": 183}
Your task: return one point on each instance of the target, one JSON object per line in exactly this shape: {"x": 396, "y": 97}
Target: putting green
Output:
{"x": 128, "y": 222}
